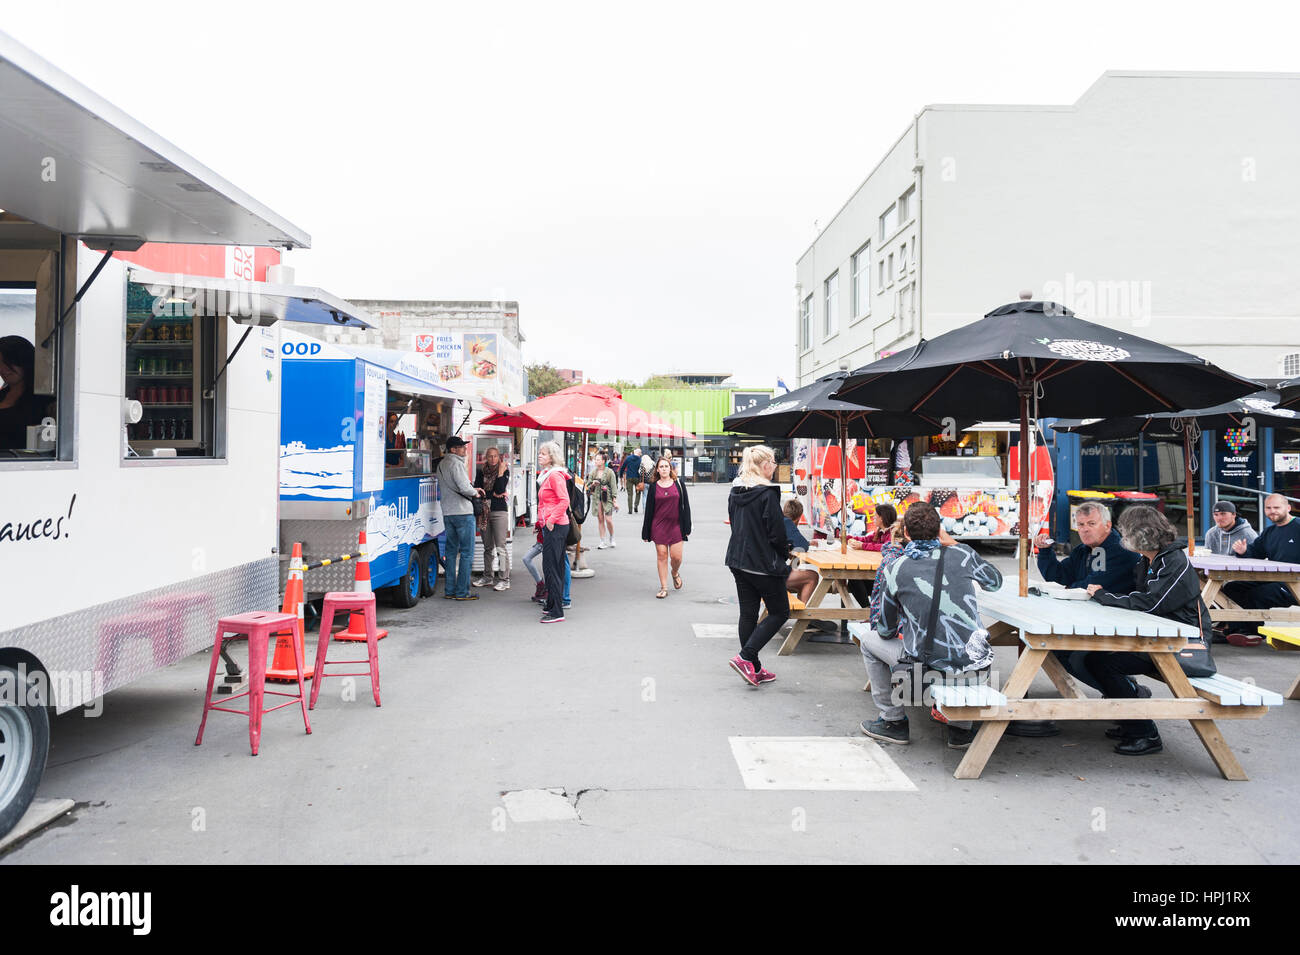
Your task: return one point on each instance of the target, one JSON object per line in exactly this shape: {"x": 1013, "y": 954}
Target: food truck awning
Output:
{"x": 75, "y": 163}
{"x": 409, "y": 374}
{"x": 253, "y": 303}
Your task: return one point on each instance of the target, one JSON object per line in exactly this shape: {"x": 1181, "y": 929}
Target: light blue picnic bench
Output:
{"x": 1043, "y": 625}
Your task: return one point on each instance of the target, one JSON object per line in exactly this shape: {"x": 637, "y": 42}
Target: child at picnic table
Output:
{"x": 1166, "y": 585}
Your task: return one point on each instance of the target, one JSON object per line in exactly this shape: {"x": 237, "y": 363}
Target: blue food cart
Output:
{"x": 344, "y": 468}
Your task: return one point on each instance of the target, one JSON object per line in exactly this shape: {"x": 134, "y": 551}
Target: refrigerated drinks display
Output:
{"x": 163, "y": 371}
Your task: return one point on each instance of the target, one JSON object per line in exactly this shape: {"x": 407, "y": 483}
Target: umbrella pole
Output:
{"x": 1023, "y": 558}
{"x": 844, "y": 488}
{"x": 1187, "y": 467}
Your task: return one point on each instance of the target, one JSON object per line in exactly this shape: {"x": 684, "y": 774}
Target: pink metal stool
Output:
{"x": 343, "y": 602}
{"x": 257, "y": 627}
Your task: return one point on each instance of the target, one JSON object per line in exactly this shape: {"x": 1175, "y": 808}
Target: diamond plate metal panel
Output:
{"x": 321, "y": 539}
{"x": 93, "y": 651}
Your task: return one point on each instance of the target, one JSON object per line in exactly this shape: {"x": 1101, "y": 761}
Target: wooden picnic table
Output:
{"x": 1284, "y": 638}
{"x": 1218, "y": 570}
{"x": 1044, "y": 624}
{"x": 834, "y": 569}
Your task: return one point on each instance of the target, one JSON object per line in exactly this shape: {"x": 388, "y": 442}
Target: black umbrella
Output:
{"x": 1260, "y": 408}
{"x": 811, "y": 412}
{"x": 1289, "y": 393}
{"x": 1036, "y": 357}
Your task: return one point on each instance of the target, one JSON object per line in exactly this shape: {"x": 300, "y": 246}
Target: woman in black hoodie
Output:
{"x": 1166, "y": 585}
{"x": 757, "y": 555}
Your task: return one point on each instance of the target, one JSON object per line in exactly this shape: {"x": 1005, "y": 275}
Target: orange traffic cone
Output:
{"x": 282, "y": 669}
{"x": 357, "y": 622}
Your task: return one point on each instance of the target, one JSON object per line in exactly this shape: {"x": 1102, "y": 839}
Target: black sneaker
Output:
{"x": 888, "y": 731}
{"x": 552, "y": 618}
{"x": 1140, "y": 746}
{"x": 959, "y": 738}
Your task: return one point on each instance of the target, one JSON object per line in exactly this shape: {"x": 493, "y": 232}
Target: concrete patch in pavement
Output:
{"x": 817, "y": 762}
{"x": 715, "y": 631}
{"x": 539, "y": 805}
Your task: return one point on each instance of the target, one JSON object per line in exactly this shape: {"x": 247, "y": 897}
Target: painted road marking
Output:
{"x": 817, "y": 762}
{"x": 711, "y": 631}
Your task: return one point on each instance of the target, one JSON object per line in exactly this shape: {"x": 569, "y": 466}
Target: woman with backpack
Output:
{"x": 757, "y": 555}
{"x": 667, "y": 523}
{"x": 553, "y": 513}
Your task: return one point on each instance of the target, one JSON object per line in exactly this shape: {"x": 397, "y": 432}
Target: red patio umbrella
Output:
{"x": 587, "y": 409}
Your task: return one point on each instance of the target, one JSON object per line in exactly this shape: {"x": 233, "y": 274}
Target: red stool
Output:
{"x": 257, "y": 627}
{"x": 344, "y": 602}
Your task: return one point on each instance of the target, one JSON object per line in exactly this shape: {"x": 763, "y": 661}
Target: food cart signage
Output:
{"x": 373, "y": 421}
{"x": 748, "y": 400}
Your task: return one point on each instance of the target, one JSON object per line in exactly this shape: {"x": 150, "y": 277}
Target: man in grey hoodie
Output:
{"x": 455, "y": 493}
{"x": 1229, "y": 527}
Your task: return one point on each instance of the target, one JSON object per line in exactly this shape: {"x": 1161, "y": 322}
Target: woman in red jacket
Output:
{"x": 553, "y": 513}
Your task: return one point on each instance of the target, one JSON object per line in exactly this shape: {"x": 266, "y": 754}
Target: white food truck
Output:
{"x": 139, "y": 463}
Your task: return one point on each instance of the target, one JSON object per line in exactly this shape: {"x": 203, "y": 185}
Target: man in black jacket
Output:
{"x": 1100, "y": 559}
{"x": 1279, "y": 541}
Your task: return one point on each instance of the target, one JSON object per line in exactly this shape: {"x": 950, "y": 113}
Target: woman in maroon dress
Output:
{"x": 667, "y": 522}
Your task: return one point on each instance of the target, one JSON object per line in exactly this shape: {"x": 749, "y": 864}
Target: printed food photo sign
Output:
{"x": 480, "y": 354}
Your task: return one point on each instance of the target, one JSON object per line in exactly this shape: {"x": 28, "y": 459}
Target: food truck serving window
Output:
{"x": 172, "y": 359}
{"x": 33, "y": 389}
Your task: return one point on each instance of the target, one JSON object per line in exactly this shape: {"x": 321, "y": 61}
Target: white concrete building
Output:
{"x": 1166, "y": 203}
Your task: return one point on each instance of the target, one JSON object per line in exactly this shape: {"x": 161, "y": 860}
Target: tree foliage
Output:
{"x": 544, "y": 380}
{"x": 664, "y": 381}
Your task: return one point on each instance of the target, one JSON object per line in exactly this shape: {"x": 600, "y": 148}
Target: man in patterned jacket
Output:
{"x": 960, "y": 647}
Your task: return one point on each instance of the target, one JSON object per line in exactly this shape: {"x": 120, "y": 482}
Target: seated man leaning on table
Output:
{"x": 960, "y": 648}
{"x": 1165, "y": 584}
{"x": 1100, "y": 558}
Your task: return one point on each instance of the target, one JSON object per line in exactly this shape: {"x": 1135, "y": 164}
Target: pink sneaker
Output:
{"x": 765, "y": 676}
{"x": 745, "y": 669}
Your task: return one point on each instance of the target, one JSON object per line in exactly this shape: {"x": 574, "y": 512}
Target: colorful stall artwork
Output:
{"x": 964, "y": 512}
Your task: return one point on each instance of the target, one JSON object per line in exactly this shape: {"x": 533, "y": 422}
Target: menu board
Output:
{"x": 373, "y": 422}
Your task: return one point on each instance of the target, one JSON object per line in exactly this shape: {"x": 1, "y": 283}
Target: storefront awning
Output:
{"x": 251, "y": 303}
{"x": 409, "y": 374}
{"x": 74, "y": 163}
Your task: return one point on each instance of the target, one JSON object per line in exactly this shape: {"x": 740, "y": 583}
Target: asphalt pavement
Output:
{"x": 621, "y": 735}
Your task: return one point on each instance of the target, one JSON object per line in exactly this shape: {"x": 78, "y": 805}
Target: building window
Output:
{"x": 880, "y": 283}
{"x": 830, "y": 324}
{"x": 906, "y": 303}
{"x": 862, "y": 282}
{"x": 805, "y": 323}
{"x": 889, "y": 222}
{"x": 905, "y": 206}
{"x": 902, "y": 259}
{"x": 889, "y": 270}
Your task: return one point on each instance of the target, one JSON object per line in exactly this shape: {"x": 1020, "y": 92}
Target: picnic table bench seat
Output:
{"x": 979, "y": 694}
{"x": 1226, "y": 691}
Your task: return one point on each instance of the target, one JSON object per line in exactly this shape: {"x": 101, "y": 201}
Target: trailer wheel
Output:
{"x": 24, "y": 746}
{"x": 406, "y": 593}
{"x": 429, "y": 569}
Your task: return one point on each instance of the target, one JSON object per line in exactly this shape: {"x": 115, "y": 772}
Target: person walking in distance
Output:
{"x": 458, "y": 517}
{"x": 602, "y": 486}
{"x": 553, "y": 511}
{"x": 630, "y": 472}
{"x": 757, "y": 555}
{"x": 667, "y": 523}
{"x": 493, "y": 481}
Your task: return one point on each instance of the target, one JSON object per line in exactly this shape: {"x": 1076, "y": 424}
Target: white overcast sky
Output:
{"x": 640, "y": 177}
